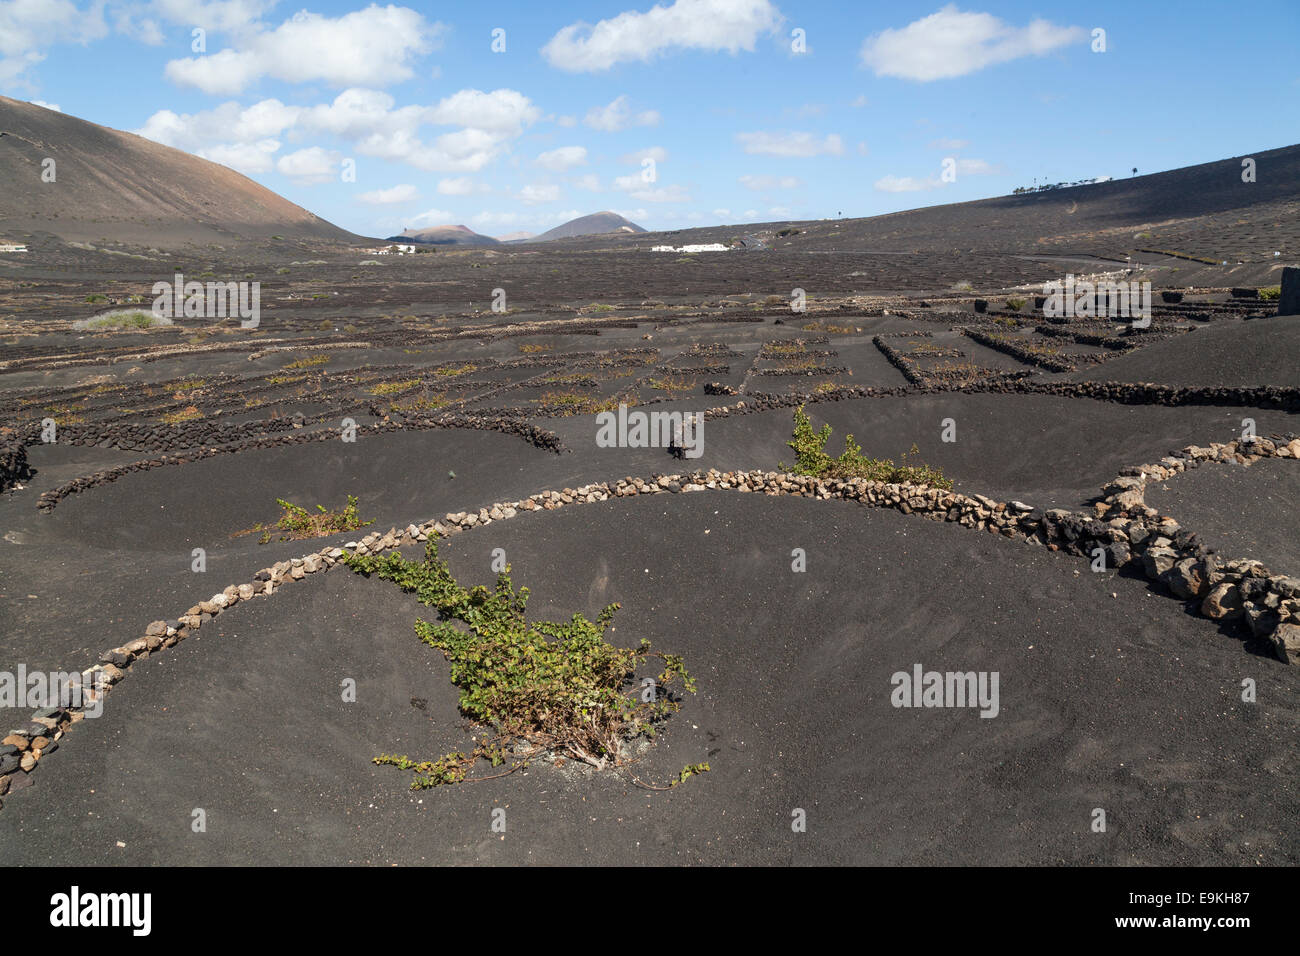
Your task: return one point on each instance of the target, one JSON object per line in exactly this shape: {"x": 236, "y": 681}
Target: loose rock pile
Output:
{"x": 13, "y": 461}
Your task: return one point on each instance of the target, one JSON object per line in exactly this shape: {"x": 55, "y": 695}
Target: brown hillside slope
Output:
{"x": 116, "y": 186}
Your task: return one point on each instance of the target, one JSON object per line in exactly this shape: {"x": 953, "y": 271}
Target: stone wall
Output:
{"x": 1122, "y": 530}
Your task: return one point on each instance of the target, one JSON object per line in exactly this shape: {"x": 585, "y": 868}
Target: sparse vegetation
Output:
{"x": 569, "y": 378}
{"x": 187, "y": 414}
{"x": 394, "y": 388}
{"x": 781, "y": 349}
{"x": 1015, "y": 305}
{"x": 309, "y": 362}
{"x": 811, "y": 459}
{"x": 451, "y": 371}
{"x": 297, "y": 523}
{"x": 672, "y": 383}
{"x": 423, "y": 403}
{"x": 573, "y": 403}
{"x": 536, "y": 688}
{"x": 930, "y": 350}
{"x": 828, "y": 327}
{"x": 1271, "y": 292}
{"x": 124, "y": 319}
{"x": 534, "y": 349}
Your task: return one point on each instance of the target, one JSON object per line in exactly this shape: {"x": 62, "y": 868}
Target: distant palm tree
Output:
{"x": 1135, "y": 170}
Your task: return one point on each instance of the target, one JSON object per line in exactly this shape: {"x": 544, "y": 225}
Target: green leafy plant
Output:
{"x": 297, "y": 522}
{"x": 1271, "y": 292}
{"x": 811, "y": 459}
{"x": 540, "y": 687}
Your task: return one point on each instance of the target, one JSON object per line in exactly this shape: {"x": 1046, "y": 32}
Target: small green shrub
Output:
{"x": 1015, "y": 305}
{"x": 297, "y": 523}
{"x": 1271, "y": 292}
{"x": 811, "y": 459}
{"x": 537, "y": 687}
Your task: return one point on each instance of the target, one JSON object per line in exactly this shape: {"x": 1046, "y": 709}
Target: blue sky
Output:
{"x": 737, "y": 124}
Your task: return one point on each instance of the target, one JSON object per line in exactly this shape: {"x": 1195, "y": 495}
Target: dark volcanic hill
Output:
{"x": 115, "y": 186}
{"x": 1204, "y": 211}
{"x": 597, "y": 224}
{"x": 445, "y": 236}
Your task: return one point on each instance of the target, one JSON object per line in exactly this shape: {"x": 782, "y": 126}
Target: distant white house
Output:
{"x": 12, "y": 247}
{"x": 395, "y": 249}
{"x": 710, "y": 247}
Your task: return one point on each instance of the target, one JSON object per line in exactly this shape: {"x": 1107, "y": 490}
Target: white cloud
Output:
{"x": 225, "y": 16}
{"x": 431, "y": 217}
{"x": 618, "y": 115}
{"x": 246, "y": 158}
{"x": 28, "y": 27}
{"x": 948, "y": 144}
{"x": 539, "y": 192}
{"x": 487, "y": 218}
{"x": 395, "y": 194}
{"x": 722, "y": 213}
{"x": 227, "y": 122}
{"x": 657, "y": 153}
{"x": 708, "y": 25}
{"x": 860, "y": 102}
{"x": 458, "y": 186}
{"x": 565, "y": 157}
{"x": 541, "y": 219}
{"x": 48, "y": 106}
{"x": 951, "y": 43}
{"x": 502, "y": 111}
{"x": 309, "y": 166}
{"x": 770, "y": 182}
{"x": 781, "y": 212}
{"x": 589, "y": 182}
{"x": 370, "y": 121}
{"x": 906, "y": 184}
{"x": 369, "y": 47}
{"x": 662, "y": 194}
{"x": 790, "y": 144}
